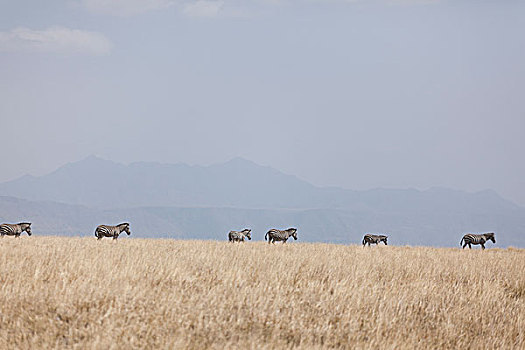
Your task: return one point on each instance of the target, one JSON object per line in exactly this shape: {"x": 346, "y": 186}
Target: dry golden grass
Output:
{"x": 134, "y": 293}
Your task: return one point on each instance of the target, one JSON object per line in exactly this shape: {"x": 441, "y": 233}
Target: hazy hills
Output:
{"x": 185, "y": 201}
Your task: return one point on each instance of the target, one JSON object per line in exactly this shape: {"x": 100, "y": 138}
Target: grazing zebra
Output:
{"x": 470, "y": 238}
{"x": 369, "y": 238}
{"x": 15, "y": 229}
{"x": 238, "y": 236}
{"x": 111, "y": 231}
{"x": 278, "y": 235}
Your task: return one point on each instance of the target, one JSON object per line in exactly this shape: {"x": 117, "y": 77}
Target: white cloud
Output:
{"x": 203, "y": 8}
{"x": 125, "y": 7}
{"x": 54, "y": 40}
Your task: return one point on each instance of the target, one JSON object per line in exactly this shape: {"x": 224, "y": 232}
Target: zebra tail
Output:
{"x": 461, "y": 242}
{"x": 363, "y": 241}
{"x": 266, "y": 235}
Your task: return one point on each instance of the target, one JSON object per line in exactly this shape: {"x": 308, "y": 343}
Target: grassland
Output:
{"x": 80, "y": 293}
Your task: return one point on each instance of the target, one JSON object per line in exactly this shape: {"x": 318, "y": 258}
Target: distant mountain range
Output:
{"x": 205, "y": 202}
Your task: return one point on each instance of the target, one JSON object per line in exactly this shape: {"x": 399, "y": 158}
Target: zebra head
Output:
{"x": 292, "y": 232}
{"x": 248, "y": 233}
{"x": 490, "y": 237}
{"x": 383, "y": 239}
{"x": 26, "y": 226}
{"x": 124, "y": 227}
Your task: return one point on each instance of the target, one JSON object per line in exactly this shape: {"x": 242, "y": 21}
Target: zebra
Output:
{"x": 470, "y": 238}
{"x": 370, "y": 238}
{"x": 15, "y": 229}
{"x": 278, "y": 235}
{"x": 238, "y": 236}
{"x": 111, "y": 231}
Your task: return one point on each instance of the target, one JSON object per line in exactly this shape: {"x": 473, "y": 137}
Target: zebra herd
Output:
{"x": 272, "y": 236}
{"x": 467, "y": 239}
{"x": 100, "y": 232}
{"x": 275, "y": 235}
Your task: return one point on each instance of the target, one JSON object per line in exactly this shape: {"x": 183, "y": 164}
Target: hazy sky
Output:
{"x": 358, "y": 94}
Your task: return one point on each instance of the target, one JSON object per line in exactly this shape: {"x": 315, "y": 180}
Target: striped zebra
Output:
{"x": 238, "y": 236}
{"x": 277, "y": 235}
{"x": 470, "y": 238}
{"x": 369, "y": 238}
{"x": 15, "y": 229}
{"x": 111, "y": 231}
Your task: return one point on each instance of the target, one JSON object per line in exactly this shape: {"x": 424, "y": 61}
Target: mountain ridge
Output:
{"x": 76, "y": 176}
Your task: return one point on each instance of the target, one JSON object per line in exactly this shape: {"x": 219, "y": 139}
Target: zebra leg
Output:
{"x": 482, "y": 246}
{"x": 115, "y": 237}
{"x": 464, "y": 245}
{"x": 99, "y": 238}
{"x": 469, "y": 246}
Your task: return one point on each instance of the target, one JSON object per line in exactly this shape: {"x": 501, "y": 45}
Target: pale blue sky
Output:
{"x": 357, "y": 94}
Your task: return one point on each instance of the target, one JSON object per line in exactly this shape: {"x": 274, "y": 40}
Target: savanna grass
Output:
{"x": 138, "y": 293}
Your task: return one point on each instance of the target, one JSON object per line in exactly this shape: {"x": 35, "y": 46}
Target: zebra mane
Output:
{"x": 24, "y": 223}
{"x": 124, "y": 223}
